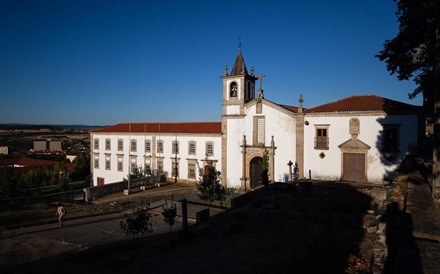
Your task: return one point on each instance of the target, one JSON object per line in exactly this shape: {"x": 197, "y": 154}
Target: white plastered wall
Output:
{"x": 371, "y": 126}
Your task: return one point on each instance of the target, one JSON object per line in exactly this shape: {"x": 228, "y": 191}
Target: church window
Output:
{"x": 192, "y": 148}
{"x": 96, "y": 144}
{"x": 133, "y": 146}
{"x": 233, "y": 89}
{"x": 259, "y": 130}
{"x": 107, "y": 144}
{"x": 120, "y": 145}
{"x": 390, "y": 141}
{"x": 321, "y": 138}
{"x": 147, "y": 146}
{"x": 175, "y": 147}
{"x": 209, "y": 149}
{"x": 160, "y": 146}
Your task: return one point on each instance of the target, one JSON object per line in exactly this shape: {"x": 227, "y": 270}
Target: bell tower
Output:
{"x": 238, "y": 90}
{"x": 238, "y": 87}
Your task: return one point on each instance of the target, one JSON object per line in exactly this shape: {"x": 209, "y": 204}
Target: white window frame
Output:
{"x": 159, "y": 146}
{"x": 133, "y": 145}
{"x": 120, "y": 163}
{"x": 120, "y": 145}
{"x": 209, "y": 149}
{"x": 175, "y": 147}
{"x": 147, "y": 146}
{"x": 192, "y": 151}
{"x": 96, "y": 144}
{"x": 107, "y": 162}
{"x": 107, "y": 144}
{"x": 96, "y": 161}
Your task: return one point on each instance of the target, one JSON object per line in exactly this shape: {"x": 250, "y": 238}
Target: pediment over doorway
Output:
{"x": 354, "y": 144}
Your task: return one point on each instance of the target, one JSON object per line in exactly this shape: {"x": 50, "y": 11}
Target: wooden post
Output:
{"x": 184, "y": 216}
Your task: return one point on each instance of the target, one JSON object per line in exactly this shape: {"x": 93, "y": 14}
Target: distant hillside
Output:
{"x": 43, "y": 126}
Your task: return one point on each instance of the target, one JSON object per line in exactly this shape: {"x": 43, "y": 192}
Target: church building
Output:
{"x": 361, "y": 138}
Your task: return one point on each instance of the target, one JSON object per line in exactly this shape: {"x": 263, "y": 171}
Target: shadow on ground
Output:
{"x": 281, "y": 230}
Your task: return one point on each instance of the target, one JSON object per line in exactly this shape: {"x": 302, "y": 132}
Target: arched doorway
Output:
{"x": 255, "y": 172}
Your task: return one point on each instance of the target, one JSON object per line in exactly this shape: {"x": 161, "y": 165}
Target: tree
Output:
{"x": 169, "y": 214}
{"x": 265, "y": 168}
{"x": 10, "y": 186}
{"x": 139, "y": 224}
{"x": 415, "y": 54}
{"x": 412, "y": 53}
{"x": 82, "y": 167}
{"x": 210, "y": 189}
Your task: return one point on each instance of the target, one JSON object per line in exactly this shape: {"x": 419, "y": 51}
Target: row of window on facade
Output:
{"x": 209, "y": 146}
{"x": 147, "y": 166}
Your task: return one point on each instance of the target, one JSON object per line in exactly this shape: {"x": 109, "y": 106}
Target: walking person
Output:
{"x": 61, "y": 211}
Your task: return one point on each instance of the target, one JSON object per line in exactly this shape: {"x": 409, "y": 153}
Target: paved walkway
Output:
{"x": 421, "y": 252}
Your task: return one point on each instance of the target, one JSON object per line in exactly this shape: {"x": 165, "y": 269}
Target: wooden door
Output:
{"x": 100, "y": 181}
{"x": 354, "y": 167}
{"x": 255, "y": 172}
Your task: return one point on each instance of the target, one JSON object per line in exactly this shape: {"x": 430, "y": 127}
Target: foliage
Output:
{"x": 169, "y": 214}
{"x": 412, "y": 53}
{"x": 36, "y": 177}
{"x": 10, "y": 186}
{"x": 55, "y": 157}
{"x": 60, "y": 176}
{"x": 265, "y": 168}
{"x": 210, "y": 188}
{"x": 138, "y": 225}
{"x": 82, "y": 167}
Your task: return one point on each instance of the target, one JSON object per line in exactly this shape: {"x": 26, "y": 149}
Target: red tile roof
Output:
{"x": 190, "y": 127}
{"x": 366, "y": 103}
{"x": 291, "y": 108}
{"x": 26, "y": 162}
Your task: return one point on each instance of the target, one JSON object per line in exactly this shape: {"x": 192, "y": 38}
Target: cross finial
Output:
{"x": 260, "y": 77}
{"x": 239, "y": 42}
{"x": 301, "y": 101}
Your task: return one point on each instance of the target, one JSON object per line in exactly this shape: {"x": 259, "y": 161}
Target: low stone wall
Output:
{"x": 87, "y": 194}
{"x": 95, "y": 192}
{"x": 62, "y": 197}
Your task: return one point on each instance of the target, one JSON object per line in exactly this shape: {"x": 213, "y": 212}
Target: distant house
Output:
{"x": 48, "y": 147}
{"x": 361, "y": 138}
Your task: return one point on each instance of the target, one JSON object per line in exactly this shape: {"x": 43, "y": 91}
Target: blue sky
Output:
{"x": 106, "y": 62}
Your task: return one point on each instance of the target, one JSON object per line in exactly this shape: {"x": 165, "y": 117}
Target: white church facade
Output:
{"x": 360, "y": 138}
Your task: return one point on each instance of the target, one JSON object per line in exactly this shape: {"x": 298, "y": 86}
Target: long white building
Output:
{"x": 359, "y": 138}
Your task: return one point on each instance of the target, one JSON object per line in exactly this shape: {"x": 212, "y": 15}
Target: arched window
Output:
{"x": 233, "y": 89}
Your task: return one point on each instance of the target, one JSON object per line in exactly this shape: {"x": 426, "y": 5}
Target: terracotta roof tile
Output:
{"x": 190, "y": 127}
{"x": 291, "y": 108}
{"x": 366, "y": 103}
{"x": 27, "y": 162}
